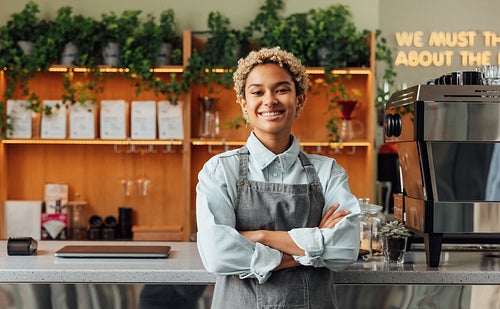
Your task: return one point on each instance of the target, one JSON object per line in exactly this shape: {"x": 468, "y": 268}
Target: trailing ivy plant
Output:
{"x": 384, "y": 55}
{"x": 19, "y": 66}
{"x": 84, "y": 33}
{"x": 207, "y": 67}
{"x": 117, "y": 29}
{"x": 139, "y": 55}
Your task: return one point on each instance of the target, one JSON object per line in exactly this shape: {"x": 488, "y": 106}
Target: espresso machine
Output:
{"x": 448, "y": 142}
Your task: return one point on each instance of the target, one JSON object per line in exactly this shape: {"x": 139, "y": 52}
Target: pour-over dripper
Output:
{"x": 349, "y": 128}
{"x": 347, "y": 108}
{"x": 208, "y": 117}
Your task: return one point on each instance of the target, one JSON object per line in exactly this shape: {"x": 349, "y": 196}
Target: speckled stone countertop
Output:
{"x": 456, "y": 268}
{"x": 184, "y": 267}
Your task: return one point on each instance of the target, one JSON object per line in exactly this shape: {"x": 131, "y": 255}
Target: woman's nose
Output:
{"x": 270, "y": 100}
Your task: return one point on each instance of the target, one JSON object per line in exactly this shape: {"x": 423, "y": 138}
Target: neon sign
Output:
{"x": 446, "y": 48}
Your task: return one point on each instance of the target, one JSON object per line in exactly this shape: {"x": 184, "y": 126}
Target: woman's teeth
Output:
{"x": 269, "y": 114}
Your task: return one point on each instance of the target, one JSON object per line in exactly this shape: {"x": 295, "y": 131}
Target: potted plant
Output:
{"x": 69, "y": 31}
{"x": 394, "y": 240}
{"x": 25, "y": 64}
{"x": 115, "y": 31}
{"x": 24, "y": 26}
{"x": 167, "y": 34}
{"x": 336, "y": 42}
{"x": 77, "y": 40}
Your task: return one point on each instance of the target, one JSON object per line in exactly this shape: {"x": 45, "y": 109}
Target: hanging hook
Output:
{"x": 226, "y": 147}
{"x": 150, "y": 149}
{"x": 337, "y": 149}
{"x": 210, "y": 149}
{"x": 131, "y": 149}
{"x": 353, "y": 151}
{"x": 168, "y": 148}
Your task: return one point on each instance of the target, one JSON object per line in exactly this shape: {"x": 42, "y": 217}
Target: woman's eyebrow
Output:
{"x": 277, "y": 84}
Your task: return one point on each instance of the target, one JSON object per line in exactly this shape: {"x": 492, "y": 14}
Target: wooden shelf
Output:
{"x": 214, "y": 142}
{"x": 90, "y": 142}
{"x": 348, "y": 71}
{"x": 109, "y": 69}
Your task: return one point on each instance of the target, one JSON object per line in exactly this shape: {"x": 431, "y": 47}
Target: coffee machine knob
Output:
{"x": 397, "y": 124}
{"x": 389, "y": 125}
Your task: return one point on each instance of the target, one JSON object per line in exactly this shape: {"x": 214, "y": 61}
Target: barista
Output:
{"x": 274, "y": 221}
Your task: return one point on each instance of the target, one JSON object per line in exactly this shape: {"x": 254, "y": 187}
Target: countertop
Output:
{"x": 184, "y": 267}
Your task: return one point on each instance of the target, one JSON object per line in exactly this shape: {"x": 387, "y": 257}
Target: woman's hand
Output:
{"x": 331, "y": 218}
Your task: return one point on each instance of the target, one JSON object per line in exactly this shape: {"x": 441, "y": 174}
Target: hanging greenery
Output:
{"x": 320, "y": 37}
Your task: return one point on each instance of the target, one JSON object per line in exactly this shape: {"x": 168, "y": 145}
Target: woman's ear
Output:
{"x": 243, "y": 105}
{"x": 244, "y": 110}
{"x": 301, "y": 99}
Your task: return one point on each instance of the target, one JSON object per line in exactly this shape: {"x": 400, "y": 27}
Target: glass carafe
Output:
{"x": 208, "y": 117}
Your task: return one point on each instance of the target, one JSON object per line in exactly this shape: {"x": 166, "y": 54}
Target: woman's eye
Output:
{"x": 283, "y": 90}
{"x": 256, "y": 92}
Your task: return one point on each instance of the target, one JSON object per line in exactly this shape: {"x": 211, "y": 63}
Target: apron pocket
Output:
{"x": 287, "y": 288}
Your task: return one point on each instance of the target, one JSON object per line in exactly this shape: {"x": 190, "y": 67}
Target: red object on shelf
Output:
{"x": 347, "y": 107}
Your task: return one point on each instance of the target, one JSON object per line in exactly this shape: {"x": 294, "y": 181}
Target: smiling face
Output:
{"x": 271, "y": 101}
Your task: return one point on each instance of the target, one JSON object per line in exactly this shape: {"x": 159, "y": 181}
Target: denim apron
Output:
{"x": 277, "y": 207}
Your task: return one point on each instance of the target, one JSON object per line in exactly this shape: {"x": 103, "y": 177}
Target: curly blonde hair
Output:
{"x": 275, "y": 55}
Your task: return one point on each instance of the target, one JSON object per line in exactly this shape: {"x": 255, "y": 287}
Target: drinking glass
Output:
{"x": 126, "y": 181}
{"x": 143, "y": 182}
{"x": 491, "y": 74}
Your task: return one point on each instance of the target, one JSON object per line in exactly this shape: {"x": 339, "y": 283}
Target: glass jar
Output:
{"x": 365, "y": 224}
{"x": 375, "y": 212}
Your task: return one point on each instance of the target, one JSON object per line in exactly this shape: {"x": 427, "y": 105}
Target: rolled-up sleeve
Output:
{"x": 223, "y": 250}
{"x": 334, "y": 248}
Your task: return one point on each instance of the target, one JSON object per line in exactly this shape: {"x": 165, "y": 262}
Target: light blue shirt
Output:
{"x": 224, "y": 251}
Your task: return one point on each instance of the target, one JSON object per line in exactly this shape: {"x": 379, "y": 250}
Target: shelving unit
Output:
{"x": 94, "y": 167}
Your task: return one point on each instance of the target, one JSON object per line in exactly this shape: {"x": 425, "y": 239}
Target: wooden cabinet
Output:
{"x": 94, "y": 168}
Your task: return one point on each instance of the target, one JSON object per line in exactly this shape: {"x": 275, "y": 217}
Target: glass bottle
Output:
{"x": 365, "y": 224}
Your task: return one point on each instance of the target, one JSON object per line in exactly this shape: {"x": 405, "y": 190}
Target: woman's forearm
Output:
{"x": 279, "y": 240}
{"x": 287, "y": 262}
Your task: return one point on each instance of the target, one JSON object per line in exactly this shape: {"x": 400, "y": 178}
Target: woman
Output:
{"x": 274, "y": 221}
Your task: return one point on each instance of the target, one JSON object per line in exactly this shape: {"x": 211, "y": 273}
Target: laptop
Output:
{"x": 113, "y": 251}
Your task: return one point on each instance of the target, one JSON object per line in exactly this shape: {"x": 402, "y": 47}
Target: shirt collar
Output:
{"x": 263, "y": 156}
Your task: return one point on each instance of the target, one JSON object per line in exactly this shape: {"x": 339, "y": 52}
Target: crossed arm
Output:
{"x": 281, "y": 240}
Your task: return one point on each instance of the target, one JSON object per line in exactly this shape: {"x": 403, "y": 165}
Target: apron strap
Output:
{"x": 243, "y": 168}
{"x": 312, "y": 176}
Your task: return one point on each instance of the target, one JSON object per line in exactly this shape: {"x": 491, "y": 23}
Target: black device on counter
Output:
{"x": 21, "y": 246}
